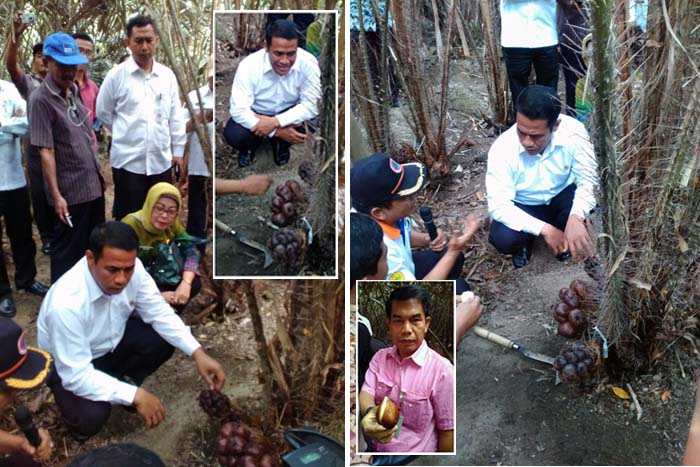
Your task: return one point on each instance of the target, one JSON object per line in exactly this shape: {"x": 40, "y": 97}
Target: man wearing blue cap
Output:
{"x": 60, "y": 127}
{"x": 386, "y": 190}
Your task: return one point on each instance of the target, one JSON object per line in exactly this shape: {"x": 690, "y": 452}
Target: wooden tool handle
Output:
{"x": 223, "y": 226}
{"x": 493, "y": 337}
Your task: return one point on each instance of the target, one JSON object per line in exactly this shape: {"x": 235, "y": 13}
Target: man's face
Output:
{"x": 283, "y": 54}
{"x": 86, "y": 48}
{"x": 534, "y": 135}
{"x": 38, "y": 64}
{"x": 63, "y": 75}
{"x": 400, "y": 208}
{"x": 113, "y": 270}
{"x": 407, "y": 325}
{"x": 142, "y": 43}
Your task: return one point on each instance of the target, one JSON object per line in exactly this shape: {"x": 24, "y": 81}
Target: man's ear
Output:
{"x": 90, "y": 258}
{"x": 267, "y": 48}
{"x": 388, "y": 322}
{"x": 126, "y": 42}
{"x": 378, "y": 214}
{"x": 556, "y": 125}
{"x": 427, "y": 322}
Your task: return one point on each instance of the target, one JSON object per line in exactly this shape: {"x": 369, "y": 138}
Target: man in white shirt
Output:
{"x": 529, "y": 38}
{"x": 275, "y": 91}
{"x": 197, "y": 170}
{"x": 14, "y": 200}
{"x": 139, "y": 103}
{"x": 108, "y": 328}
{"x": 540, "y": 181}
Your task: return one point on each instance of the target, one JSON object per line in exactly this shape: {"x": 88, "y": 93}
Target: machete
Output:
{"x": 252, "y": 244}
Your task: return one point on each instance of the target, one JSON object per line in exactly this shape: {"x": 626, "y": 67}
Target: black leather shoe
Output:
{"x": 245, "y": 158}
{"x": 281, "y": 153}
{"x": 564, "y": 256}
{"x": 36, "y": 288}
{"x": 521, "y": 258}
{"x": 46, "y": 249}
{"x": 7, "y": 307}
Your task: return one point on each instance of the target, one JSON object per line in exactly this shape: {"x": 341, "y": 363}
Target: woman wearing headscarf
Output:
{"x": 159, "y": 221}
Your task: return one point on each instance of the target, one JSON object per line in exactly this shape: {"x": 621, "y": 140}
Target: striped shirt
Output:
{"x": 59, "y": 121}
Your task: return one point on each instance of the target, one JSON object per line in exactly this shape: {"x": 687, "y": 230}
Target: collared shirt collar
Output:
{"x": 94, "y": 291}
{"x": 132, "y": 66}
{"x": 554, "y": 142}
{"x": 267, "y": 65}
{"x": 392, "y": 231}
{"x": 418, "y": 357}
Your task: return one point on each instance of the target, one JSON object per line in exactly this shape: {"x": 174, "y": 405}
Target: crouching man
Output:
{"x": 109, "y": 328}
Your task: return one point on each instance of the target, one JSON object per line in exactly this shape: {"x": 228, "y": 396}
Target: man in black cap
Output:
{"x": 21, "y": 368}
{"x": 386, "y": 190}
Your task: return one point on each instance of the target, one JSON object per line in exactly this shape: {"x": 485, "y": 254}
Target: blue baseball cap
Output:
{"x": 63, "y": 48}
{"x": 378, "y": 178}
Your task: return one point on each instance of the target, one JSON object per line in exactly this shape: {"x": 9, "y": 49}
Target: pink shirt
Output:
{"x": 428, "y": 381}
{"x": 88, "y": 93}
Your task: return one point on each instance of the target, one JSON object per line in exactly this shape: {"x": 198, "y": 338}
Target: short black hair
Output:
{"x": 118, "y": 455}
{"x": 82, "y": 35}
{"x": 38, "y": 49}
{"x": 114, "y": 234}
{"x": 138, "y": 21}
{"x": 409, "y": 292}
{"x": 364, "y": 209}
{"x": 281, "y": 28}
{"x": 366, "y": 240}
{"x": 539, "y": 102}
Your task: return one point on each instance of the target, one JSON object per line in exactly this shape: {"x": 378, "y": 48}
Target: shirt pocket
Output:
{"x": 383, "y": 389}
{"x": 417, "y": 411}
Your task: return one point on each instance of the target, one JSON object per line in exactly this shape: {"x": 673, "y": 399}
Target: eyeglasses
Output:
{"x": 86, "y": 52}
{"x": 159, "y": 209}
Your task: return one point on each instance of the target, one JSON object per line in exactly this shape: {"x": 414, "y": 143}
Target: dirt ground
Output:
{"x": 509, "y": 412}
{"x": 251, "y": 215}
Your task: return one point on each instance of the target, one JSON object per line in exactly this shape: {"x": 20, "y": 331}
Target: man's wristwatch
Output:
{"x": 367, "y": 410}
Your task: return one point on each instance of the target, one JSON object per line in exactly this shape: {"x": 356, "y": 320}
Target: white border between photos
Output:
{"x": 338, "y": 158}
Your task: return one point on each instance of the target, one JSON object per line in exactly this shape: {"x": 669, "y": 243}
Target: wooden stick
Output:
{"x": 438, "y": 35}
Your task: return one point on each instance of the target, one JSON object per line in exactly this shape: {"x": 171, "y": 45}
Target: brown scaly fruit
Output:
{"x": 387, "y": 413}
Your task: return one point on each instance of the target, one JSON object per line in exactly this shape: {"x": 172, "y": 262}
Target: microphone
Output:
{"x": 427, "y": 215}
{"x": 23, "y": 418}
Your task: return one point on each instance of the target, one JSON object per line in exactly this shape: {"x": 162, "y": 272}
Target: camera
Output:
{"x": 28, "y": 18}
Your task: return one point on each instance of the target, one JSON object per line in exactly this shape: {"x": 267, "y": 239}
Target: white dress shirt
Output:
{"x": 257, "y": 88}
{"x": 79, "y": 323}
{"x": 529, "y": 23}
{"x": 143, "y": 113}
{"x": 12, "y": 128}
{"x": 513, "y": 175}
{"x": 196, "y": 164}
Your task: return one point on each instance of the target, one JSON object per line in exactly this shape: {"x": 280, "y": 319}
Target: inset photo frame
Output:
{"x": 276, "y": 144}
{"x": 406, "y": 377}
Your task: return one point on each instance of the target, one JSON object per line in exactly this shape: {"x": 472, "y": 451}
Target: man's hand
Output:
{"x": 556, "y": 241}
{"x": 265, "y": 126}
{"x": 440, "y": 241}
{"x": 149, "y": 407}
{"x": 43, "y": 452}
{"x": 17, "y": 26}
{"x": 60, "y": 206}
{"x": 256, "y": 184}
{"x": 471, "y": 225}
{"x": 210, "y": 369}
{"x": 577, "y": 238}
{"x": 291, "y": 135}
{"x": 375, "y": 430}
{"x": 467, "y": 313}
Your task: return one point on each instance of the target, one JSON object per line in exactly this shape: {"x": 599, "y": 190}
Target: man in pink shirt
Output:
{"x": 88, "y": 88}
{"x": 416, "y": 378}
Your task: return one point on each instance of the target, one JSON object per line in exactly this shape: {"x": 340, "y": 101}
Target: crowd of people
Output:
{"x": 107, "y": 322}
